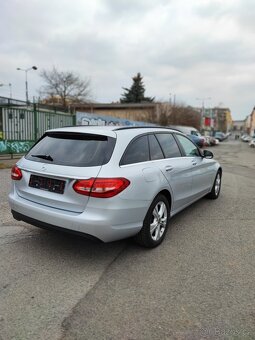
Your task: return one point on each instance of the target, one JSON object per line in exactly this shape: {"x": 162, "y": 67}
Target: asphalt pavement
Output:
{"x": 199, "y": 284}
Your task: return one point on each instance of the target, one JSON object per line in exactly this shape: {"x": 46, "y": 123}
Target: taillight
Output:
{"x": 101, "y": 187}
{"x": 16, "y": 173}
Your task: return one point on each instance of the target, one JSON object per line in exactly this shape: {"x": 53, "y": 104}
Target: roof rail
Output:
{"x": 145, "y": 127}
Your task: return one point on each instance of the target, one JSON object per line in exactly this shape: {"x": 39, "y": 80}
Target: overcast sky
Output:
{"x": 191, "y": 48}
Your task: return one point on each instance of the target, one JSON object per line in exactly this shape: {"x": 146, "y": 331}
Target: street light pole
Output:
{"x": 10, "y": 86}
{"x": 26, "y": 87}
{"x": 203, "y": 107}
{"x": 26, "y": 82}
{"x": 170, "y": 98}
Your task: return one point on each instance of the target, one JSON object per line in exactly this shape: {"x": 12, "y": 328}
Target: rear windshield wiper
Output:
{"x": 47, "y": 157}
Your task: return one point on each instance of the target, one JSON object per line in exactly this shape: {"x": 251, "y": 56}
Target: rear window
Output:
{"x": 72, "y": 149}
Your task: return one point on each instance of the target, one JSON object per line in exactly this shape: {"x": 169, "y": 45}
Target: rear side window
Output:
{"x": 137, "y": 151}
{"x": 155, "y": 149}
{"x": 72, "y": 149}
{"x": 168, "y": 145}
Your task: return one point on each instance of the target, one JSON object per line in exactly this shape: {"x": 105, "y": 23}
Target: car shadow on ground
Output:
{"x": 77, "y": 245}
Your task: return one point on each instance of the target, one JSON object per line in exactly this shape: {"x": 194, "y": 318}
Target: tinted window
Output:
{"x": 73, "y": 149}
{"x": 168, "y": 144}
{"x": 189, "y": 148}
{"x": 155, "y": 149}
{"x": 137, "y": 151}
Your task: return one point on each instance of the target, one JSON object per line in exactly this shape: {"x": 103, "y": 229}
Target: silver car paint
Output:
{"x": 186, "y": 178}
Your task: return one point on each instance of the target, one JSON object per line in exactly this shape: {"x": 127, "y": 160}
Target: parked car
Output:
{"x": 199, "y": 141}
{"x": 210, "y": 141}
{"x": 192, "y": 133}
{"x": 252, "y": 143}
{"x": 247, "y": 139}
{"x": 244, "y": 136}
{"x": 206, "y": 140}
{"x": 187, "y": 130}
{"x": 111, "y": 182}
{"x": 213, "y": 141}
{"x": 220, "y": 136}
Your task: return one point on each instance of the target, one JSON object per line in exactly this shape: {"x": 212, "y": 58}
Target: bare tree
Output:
{"x": 179, "y": 114}
{"x": 66, "y": 86}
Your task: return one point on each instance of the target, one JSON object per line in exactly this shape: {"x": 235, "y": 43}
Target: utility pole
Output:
{"x": 170, "y": 98}
{"x": 203, "y": 108}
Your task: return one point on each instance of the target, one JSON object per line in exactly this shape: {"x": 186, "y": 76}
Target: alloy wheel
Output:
{"x": 158, "y": 221}
{"x": 217, "y": 184}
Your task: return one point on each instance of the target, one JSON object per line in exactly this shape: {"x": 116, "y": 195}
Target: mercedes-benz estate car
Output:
{"x": 111, "y": 183}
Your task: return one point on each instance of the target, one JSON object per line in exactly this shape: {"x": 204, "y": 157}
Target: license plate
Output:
{"x": 48, "y": 184}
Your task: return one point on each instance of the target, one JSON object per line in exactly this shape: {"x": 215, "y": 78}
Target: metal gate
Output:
{"x": 21, "y": 127}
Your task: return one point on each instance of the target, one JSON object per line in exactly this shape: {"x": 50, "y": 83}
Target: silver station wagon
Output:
{"x": 111, "y": 183}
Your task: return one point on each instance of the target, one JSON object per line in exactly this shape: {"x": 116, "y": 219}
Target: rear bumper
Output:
{"x": 104, "y": 221}
{"x": 19, "y": 217}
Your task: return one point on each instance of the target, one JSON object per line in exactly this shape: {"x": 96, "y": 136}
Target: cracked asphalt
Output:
{"x": 199, "y": 284}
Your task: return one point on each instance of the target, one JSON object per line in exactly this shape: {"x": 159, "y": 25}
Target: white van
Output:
{"x": 187, "y": 130}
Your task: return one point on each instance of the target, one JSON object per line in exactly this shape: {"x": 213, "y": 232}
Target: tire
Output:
{"x": 155, "y": 223}
{"x": 215, "y": 192}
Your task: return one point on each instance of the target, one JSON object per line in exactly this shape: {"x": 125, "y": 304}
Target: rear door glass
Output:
{"x": 72, "y": 149}
{"x": 155, "y": 149}
{"x": 137, "y": 151}
{"x": 168, "y": 145}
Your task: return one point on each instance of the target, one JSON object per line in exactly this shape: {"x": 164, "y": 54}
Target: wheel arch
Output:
{"x": 168, "y": 196}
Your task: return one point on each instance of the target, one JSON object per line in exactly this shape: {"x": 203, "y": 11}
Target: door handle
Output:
{"x": 194, "y": 163}
{"x": 168, "y": 168}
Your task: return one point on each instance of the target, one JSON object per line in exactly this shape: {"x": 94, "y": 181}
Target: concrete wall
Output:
{"x": 131, "y": 114}
{"x": 138, "y": 112}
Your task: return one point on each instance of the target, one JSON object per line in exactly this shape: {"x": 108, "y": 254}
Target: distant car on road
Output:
{"x": 199, "y": 141}
{"x": 213, "y": 141}
{"x": 252, "y": 143}
{"x": 209, "y": 141}
{"x": 187, "y": 130}
{"x": 247, "y": 139}
{"x": 192, "y": 133}
{"x": 111, "y": 182}
{"x": 220, "y": 136}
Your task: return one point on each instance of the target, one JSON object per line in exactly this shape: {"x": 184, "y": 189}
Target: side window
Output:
{"x": 168, "y": 145}
{"x": 155, "y": 149}
{"x": 189, "y": 148}
{"x": 137, "y": 151}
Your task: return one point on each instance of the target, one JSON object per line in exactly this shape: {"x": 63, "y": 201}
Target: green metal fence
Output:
{"x": 20, "y": 127}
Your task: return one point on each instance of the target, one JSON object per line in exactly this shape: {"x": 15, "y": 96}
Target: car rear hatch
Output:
{"x": 56, "y": 161}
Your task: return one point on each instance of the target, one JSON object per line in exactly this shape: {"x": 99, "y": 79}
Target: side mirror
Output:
{"x": 207, "y": 154}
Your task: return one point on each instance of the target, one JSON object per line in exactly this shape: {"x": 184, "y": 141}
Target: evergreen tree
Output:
{"x": 136, "y": 92}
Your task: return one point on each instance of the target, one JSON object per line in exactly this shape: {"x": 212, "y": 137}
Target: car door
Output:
{"x": 174, "y": 167}
{"x": 202, "y": 168}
